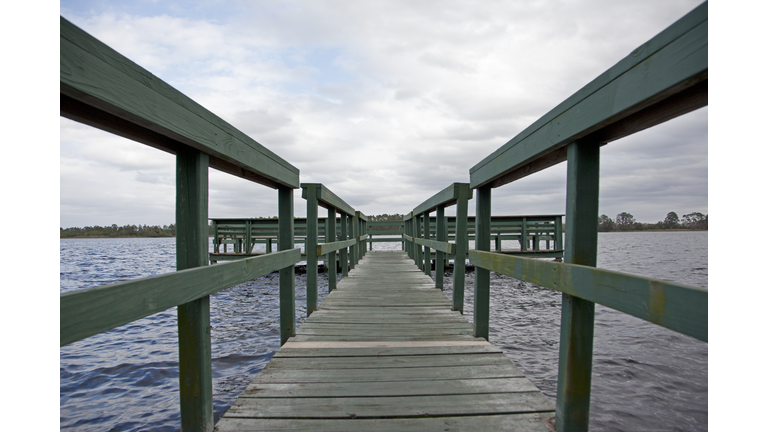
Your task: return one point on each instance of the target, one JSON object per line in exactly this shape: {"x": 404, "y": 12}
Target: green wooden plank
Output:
{"x": 449, "y": 248}
{"x": 287, "y": 274}
{"x": 510, "y": 423}
{"x": 664, "y": 78}
{"x": 311, "y": 244}
{"x": 678, "y": 307}
{"x": 325, "y": 248}
{"x": 482, "y": 275}
{"x": 577, "y": 323}
{"x": 193, "y": 318}
{"x": 447, "y": 197}
{"x": 94, "y": 310}
{"x": 104, "y": 89}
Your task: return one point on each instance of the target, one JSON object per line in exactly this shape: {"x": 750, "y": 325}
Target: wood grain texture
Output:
{"x": 94, "y": 310}
{"x": 383, "y": 349}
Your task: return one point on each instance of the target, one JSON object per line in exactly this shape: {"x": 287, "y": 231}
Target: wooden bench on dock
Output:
{"x": 384, "y": 351}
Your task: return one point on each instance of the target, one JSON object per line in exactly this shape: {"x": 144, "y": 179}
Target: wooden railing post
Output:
{"x": 194, "y": 321}
{"x": 310, "y": 247}
{"x": 417, "y": 234}
{"x": 287, "y": 275}
{"x": 356, "y": 235}
{"x": 427, "y": 250}
{"x": 330, "y": 237}
{"x": 460, "y": 237}
{"x": 344, "y": 256}
{"x": 440, "y": 255}
{"x": 578, "y": 315}
{"x": 482, "y": 276}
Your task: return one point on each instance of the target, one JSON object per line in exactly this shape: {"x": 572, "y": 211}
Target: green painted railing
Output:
{"x": 101, "y": 88}
{"x": 245, "y": 233}
{"x": 348, "y": 240}
{"x": 664, "y": 78}
{"x": 419, "y": 244}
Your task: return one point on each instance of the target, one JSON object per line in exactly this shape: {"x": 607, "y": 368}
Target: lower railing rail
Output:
{"x": 90, "y": 311}
{"x": 675, "y": 306}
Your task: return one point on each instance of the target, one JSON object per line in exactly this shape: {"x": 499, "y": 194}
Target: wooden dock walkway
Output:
{"x": 384, "y": 351}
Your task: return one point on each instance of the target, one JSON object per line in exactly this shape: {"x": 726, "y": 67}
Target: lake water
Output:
{"x": 645, "y": 377}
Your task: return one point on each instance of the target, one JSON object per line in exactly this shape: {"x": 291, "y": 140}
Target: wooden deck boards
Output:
{"x": 385, "y": 352}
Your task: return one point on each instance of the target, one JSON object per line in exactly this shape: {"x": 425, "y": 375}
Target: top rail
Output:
{"x": 102, "y": 88}
{"x": 326, "y": 198}
{"x": 664, "y": 78}
{"x": 446, "y": 197}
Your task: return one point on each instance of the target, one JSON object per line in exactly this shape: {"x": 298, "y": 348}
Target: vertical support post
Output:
{"x": 356, "y": 235}
{"x": 194, "y": 319}
{"x": 440, "y": 255}
{"x": 482, "y": 276}
{"x": 287, "y": 275}
{"x": 417, "y": 234}
{"x": 462, "y": 243}
{"x": 524, "y": 235}
{"x": 330, "y": 237}
{"x": 363, "y": 230}
{"x": 310, "y": 247}
{"x": 559, "y": 233}
{"x": 215, "y": 237}
{"x": 574, "y": 379}
{"x": 427, "y": 250}
{"x": 344, "y": 255}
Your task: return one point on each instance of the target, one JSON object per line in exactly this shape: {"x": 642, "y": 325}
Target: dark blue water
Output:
{"x": 644, "y": 377}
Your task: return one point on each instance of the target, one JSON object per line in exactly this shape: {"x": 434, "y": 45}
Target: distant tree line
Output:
{"x": 120, "y": 231}
{"x": 626, "y": 222}
{"x": 386, "y": 218}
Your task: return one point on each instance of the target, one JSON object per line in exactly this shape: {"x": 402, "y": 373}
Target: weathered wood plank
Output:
{"x": 678, "y": 307}
{"x": 445, "y": 197}
{"x": 392, "y": 407}
{"x": 385, "y": 345}
{"x": 508, "y": 423}
{"x": 374, "y": 389}
{"x": 86, "y": 312}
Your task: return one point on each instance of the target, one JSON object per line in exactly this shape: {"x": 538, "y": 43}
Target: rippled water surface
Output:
{"x": 644, "y": 377}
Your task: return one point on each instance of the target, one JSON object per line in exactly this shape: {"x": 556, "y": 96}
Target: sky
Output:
{"x": 385, "y": 103}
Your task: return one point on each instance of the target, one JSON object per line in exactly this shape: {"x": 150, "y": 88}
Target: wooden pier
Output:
{"x": 384, "y": 351}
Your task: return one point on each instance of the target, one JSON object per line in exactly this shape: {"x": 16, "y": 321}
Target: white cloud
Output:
{"x": 388, "y": 103}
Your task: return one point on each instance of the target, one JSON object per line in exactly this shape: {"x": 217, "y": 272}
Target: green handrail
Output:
{"x": 316, "y": 195}
{"x": 101, "y": 88}
{"x": 664, "y": 78}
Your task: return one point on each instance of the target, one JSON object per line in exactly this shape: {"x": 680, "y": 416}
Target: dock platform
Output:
{"x": 384, "y": 351}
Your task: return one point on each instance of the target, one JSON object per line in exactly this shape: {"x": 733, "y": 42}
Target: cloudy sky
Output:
{"x": 385, "y": 103}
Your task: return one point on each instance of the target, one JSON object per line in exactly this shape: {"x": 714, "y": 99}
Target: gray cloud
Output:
{"x": 386, "y": 103}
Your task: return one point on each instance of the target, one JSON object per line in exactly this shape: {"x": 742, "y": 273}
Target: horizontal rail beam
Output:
{"x": 678, "y": 307}
{"x": 102, "y": 88}
{"x": 326, "y": 248}
{"x": 446, "y": 197}
{"x": 326, "y": 198}
{"x": 446, "y": 247}
{"x": 664, "y": 78}
{"x": 90, "y": 311}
